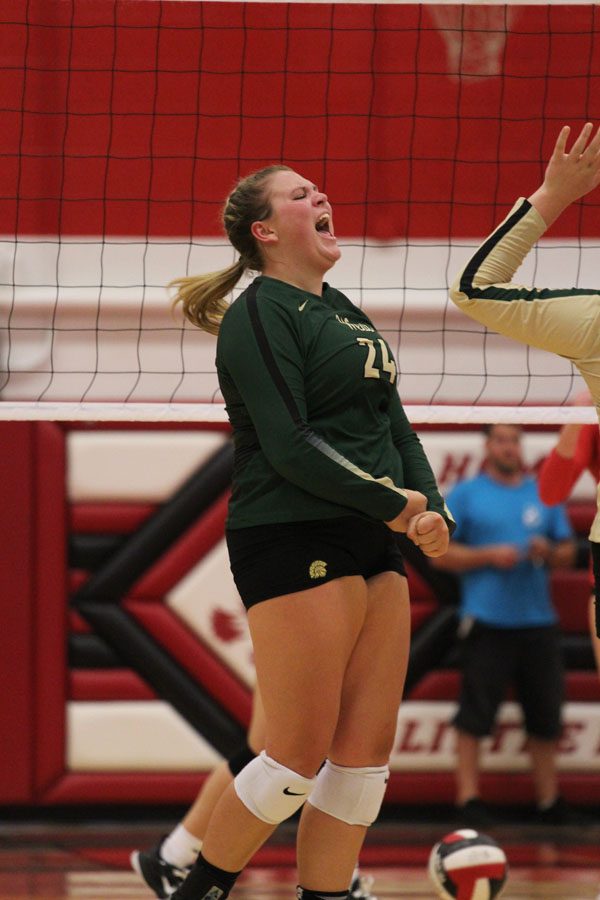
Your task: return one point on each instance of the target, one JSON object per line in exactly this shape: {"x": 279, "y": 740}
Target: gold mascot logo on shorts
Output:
{"x": 318, "y": 569}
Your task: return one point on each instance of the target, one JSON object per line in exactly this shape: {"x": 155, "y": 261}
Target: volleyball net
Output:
{"x": 126, "y": 122}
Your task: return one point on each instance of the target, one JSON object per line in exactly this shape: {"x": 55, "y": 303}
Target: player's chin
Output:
{"x": 330, "y": 249}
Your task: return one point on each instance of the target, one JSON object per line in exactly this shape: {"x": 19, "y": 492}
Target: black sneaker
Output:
{"x": 475, "y": 814}
{"x": 160, "y": 876}
{"x": 560, "y": 813}
{"x": 360, "y": 889}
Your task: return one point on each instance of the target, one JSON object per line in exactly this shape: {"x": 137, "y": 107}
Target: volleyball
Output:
{"x": 467, "y": 865}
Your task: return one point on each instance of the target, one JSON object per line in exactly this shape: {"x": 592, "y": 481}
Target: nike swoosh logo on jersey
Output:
{"x": 293, "y": 793}
{"x": 302, "y": 305}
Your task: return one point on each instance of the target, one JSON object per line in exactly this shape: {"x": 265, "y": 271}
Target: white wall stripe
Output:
{"x": 145, "y": 736}
{"x": 75, "y": 342}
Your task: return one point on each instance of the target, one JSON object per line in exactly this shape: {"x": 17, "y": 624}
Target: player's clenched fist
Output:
{"x": 428, "y": 530}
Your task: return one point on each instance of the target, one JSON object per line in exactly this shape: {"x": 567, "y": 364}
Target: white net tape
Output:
{"x": 213, "y": 412}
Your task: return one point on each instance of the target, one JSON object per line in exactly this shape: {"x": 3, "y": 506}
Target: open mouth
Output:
{"x": 323, "y": 225}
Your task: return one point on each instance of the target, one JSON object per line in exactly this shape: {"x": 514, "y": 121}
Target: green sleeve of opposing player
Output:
{"x": 262, "y": 355}
{"x": 418, "y": 474}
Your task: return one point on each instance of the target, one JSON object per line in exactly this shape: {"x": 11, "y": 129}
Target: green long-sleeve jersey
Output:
{"x": 318, "y": 427}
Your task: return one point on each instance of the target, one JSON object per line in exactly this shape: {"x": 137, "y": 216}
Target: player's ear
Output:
{"x": 262, "y": 232}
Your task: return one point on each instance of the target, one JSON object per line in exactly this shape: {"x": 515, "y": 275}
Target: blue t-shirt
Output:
{"x": 489, "y": 512}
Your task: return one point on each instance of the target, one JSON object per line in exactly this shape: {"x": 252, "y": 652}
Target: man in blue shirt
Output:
{"x": 505, "y": 542}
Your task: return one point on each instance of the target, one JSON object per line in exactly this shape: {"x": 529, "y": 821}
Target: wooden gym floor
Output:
{"x": 88, "y": 860}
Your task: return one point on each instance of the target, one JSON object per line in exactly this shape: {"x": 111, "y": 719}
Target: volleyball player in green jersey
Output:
{"x": 327, "y": 468}
{"x": 564, "y": 321}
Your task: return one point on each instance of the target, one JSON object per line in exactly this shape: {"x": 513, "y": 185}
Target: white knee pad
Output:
{"x": 352, "y": 795}
{"x": 271, "y": 791}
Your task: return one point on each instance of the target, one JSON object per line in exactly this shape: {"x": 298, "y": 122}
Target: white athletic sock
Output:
{"x": 180, "y": 848}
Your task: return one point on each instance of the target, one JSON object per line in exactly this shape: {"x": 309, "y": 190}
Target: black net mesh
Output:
{"x": 124, "y": 124}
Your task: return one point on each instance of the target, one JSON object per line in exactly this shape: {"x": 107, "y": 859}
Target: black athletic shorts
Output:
{"x": 528, "y": 659}
{"x": 271, "y": 560}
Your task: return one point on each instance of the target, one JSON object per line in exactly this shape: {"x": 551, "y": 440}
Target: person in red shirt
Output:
{"x": 576, "y": 451}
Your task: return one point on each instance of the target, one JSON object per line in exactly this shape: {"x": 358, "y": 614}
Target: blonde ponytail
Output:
{"x": 203, "y": 296}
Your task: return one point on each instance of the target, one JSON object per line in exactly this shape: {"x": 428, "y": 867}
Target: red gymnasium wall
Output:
{"x": 134, "y": 118}
{"x": 85, "y": 721}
